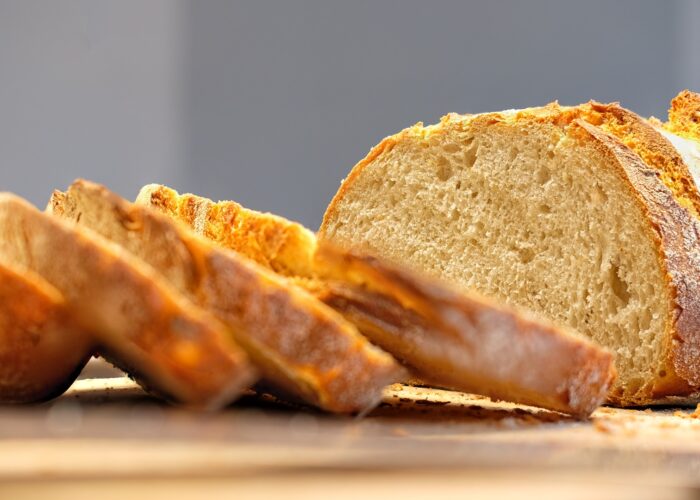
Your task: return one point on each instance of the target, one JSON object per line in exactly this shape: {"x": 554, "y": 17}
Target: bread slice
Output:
{"x": 300, "y": 345}
{"x": 139, "y": 323}
{"x": 466, "y": 341}
{"x": 42, "y": 349}
{"x": 548, "y": 213}
{"x": 462, "y": 341}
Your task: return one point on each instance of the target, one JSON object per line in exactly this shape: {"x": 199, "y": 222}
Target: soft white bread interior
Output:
{"x": 545, "y": 212}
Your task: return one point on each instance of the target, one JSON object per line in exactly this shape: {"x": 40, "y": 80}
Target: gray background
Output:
{"x": 271, "y": 103}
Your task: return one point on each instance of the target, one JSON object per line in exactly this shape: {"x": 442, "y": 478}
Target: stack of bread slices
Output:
{"x": 525, "y": 255}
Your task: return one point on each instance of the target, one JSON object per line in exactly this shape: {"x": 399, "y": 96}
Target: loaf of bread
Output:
{"x": 138, "y": 322}
{"x": 547, "y": 208}
{"x": 452, "y": 253}
{"x": 302, "y": 347}
{"x": 450, "y": 339}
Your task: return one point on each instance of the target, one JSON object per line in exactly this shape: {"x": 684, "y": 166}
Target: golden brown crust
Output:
{"x": 674, "y": 229}
{"x": 42, "y": 349}
{"x": 138, "y": 321}
{"x": 684, "y": 115}
{"x": 271, "y": 241}
{"x": 299, "y": 344}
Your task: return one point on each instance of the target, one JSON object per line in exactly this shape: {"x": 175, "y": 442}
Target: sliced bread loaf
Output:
{"x": 42, "y": 349}
{"x": 547, "y": 212}
{"x": 139, "y": 322}
{"x": 272, "y": 241}
{"x": 450, "y": 339}
{"x": 300, "y": 345}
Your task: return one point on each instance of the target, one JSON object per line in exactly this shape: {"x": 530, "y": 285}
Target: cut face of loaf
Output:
{"x": 462, "y": 341}
{"x": 42, "y": 349}
{"x": 138, "y": 322}
{"x": 301, "y": 346}
{"x": 544, "y": 212}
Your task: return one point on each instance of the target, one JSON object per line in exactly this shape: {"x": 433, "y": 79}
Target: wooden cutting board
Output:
{"x": 106, "y": 437}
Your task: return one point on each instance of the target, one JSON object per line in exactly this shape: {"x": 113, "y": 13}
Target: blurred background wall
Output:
{"x": 271, "y": 102}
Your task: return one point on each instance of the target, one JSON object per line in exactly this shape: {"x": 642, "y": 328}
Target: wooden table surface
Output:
{"x": 105, "y": 437}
